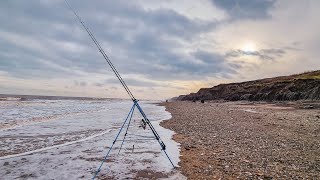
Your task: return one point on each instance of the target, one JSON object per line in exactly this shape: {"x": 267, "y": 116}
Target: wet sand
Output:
{"x": 245, "y": 140}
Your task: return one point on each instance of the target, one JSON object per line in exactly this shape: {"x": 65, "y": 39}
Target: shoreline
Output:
{"x": 72, "y": 147}
{"x": 245, "y": 140}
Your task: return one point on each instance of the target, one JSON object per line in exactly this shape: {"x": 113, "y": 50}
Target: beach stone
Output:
{"x": 308, "y": 107}
{"x": 267, "y": 177}
{"x": 257, "y": 149}
{"x": 6, "y": 164}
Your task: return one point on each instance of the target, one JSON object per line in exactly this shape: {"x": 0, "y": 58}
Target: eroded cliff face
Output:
{"x": 304, "y": 86}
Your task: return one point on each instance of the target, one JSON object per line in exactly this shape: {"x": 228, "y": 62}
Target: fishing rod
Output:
{"x": 145, "y": 119}
{"x": 102, "y": 52}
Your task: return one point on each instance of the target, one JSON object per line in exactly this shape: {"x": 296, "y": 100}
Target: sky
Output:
{"x": 162, "y": 48}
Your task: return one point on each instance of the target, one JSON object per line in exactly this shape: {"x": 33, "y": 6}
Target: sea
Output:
{"x": 68, "y": 138}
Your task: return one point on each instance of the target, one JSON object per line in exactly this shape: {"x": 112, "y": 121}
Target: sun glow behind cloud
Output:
{"x": 249, "y": 47}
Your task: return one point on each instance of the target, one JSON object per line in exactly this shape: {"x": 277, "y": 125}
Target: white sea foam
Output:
{"x": 86, "y": 130}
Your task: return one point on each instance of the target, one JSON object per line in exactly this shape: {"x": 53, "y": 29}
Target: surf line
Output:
{"x": 55, "y": 146}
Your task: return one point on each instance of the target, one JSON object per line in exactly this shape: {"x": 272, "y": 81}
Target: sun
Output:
{"x": 249, "y": 47}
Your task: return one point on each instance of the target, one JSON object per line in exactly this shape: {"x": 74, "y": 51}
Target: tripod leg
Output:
{"x": 105, "y": 158}
{"x": 161, "y": 143}
{"x": 124, "y": 137}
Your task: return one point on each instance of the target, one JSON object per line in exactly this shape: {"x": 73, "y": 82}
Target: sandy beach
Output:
{"x": 244, "y": 140}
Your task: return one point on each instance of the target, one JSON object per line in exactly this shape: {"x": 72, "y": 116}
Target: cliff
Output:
{"x": 305, "y": 86}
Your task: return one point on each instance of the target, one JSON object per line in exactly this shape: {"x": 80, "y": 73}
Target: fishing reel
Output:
{"x": 143, "y": 124}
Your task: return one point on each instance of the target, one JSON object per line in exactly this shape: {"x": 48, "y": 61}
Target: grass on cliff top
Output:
{"x": 310, "y": 75}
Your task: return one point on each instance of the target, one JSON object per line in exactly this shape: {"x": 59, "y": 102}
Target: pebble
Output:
{"x": 228, "y": 137}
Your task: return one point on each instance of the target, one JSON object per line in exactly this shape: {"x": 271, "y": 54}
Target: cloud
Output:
{"x": 246, "y": 9}
{"x": 129, "y": 36}
{"x": 80, "y": 83}
{"x": 196, "y": 10}
{"x": 98, "y": 84}
{"x": 263, "y": 54}
{"x": 164, "y": 47}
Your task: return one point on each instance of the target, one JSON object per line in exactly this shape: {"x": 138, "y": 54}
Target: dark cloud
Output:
{"x": 42, "y": 40}
{"x": 210, "y": 64}
{"x": 264, "y": 54}
{"x": 239, "y": 9}
{"x": 22, "y": 63}
{"x": 209, "y": 58}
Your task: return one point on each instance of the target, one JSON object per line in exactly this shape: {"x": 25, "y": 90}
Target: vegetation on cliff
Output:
{"x": 305, "y": 86}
